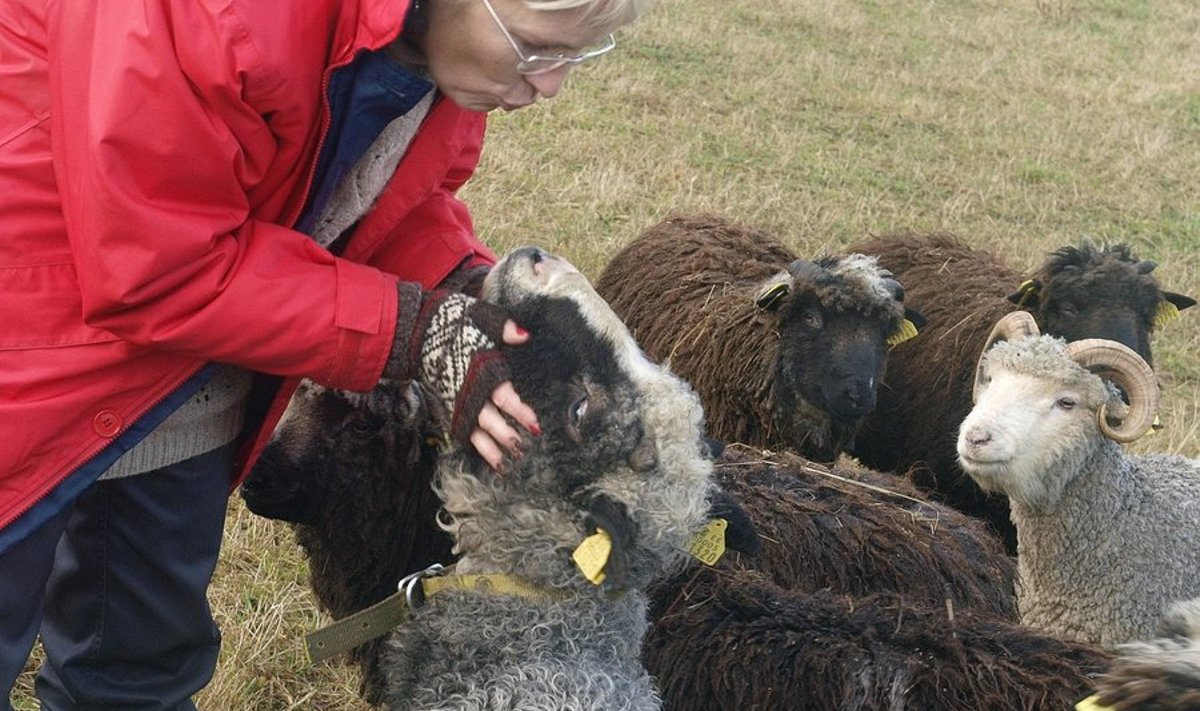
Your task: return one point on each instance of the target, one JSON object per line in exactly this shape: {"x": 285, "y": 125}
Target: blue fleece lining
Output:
{"x": 63, "y": 495}
{"x": 364, "y": 97}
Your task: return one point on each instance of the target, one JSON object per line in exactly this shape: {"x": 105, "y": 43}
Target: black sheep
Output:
{"x": 849, "y": 530}
{"x": 352, "y": 473}
{"x": 786, "y": 353}
{"x": 735, "y": 640}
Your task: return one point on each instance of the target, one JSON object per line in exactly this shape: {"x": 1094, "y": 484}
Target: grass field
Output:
{"x": 1020, "y": 125}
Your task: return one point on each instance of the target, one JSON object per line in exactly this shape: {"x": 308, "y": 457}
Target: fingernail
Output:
{"x": 522, "y": 332}
{"x": 535, "y": 429}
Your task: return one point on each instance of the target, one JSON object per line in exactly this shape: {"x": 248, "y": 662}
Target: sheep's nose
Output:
{"x": 855, "y": 399}
{"x": 977, "y": 437}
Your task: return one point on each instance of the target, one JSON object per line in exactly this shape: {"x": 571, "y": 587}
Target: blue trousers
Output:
{"x": 116, "y": 585}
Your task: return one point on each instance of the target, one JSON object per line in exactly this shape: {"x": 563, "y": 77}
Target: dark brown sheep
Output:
{"x": 849, "y": 530}
{"x": 352, "y": 473}
{"x": 1079, "y": 292}
{"x": 785, "y": 353}
{"x": 735, "y": 640}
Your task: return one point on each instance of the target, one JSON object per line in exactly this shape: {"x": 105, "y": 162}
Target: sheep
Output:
{"x": 620, "y": 451}
{"x": 786, "y": 353}
{"x": 1079, "y": 292}
{"x": 351, "y": 473}
{"x": 852, "y": 531}
{"x": 1106, "y": 538}
{"x": 738, "y": 641}
{"x": 1162, "y": 674}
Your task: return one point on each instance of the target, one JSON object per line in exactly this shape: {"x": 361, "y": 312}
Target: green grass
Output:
{"x": 1019, "y": 125}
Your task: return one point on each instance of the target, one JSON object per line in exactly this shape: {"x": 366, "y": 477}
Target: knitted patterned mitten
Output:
{"x": 453, "y": 350}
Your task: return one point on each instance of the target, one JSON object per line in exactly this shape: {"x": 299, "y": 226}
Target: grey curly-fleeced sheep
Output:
{"x": 786, "y": 353}
{"x": 1106, "y": 539}
{"x": 1084, "y": 291}
{"x": 620, "y": 450}
{"x": 1162, "y": 674}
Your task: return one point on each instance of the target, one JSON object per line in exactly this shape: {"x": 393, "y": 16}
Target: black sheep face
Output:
{"x": 327, "y": 438}
{"x": 620, "y": 448}
{"x": 834, "y": 318}
{"x": 1094, "y": 292}
{"x": 586, "y": 405}
{"x": 834, "y": 360}
{"x": 570, "y": 371}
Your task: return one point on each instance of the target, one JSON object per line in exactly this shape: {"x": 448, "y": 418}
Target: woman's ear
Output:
{"x": 740, "y": 534}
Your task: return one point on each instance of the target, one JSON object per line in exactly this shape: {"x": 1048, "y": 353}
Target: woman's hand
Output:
{"x": 493, "y": 434}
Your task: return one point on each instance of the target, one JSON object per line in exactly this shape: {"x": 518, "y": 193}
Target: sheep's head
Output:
{"x": 620, "y": 448}
{"x": 345, "y": 467}
{"x": 1042, "y": 405}
{"x": 322, "y": 430}
{"x": 836, "y": 318}
{"x": 1091, "y": 291}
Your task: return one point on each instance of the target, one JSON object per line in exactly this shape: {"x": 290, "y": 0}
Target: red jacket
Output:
{"x": 151, "y": 154}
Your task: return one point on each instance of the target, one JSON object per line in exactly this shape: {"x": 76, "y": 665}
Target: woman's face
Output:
{"x": 473, "y": 63}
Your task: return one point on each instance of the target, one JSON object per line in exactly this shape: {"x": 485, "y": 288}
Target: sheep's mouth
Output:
{"x": 984, "y": 471}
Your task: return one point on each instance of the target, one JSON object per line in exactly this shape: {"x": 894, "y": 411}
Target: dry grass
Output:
{"x": 1018, "y": 124}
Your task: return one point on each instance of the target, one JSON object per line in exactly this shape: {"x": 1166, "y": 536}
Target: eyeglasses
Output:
{"x": 534, "y": 64}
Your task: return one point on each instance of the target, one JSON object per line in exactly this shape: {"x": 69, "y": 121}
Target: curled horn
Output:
{"x": 1118, "y": 363}
{"x": 1015, "y": 324}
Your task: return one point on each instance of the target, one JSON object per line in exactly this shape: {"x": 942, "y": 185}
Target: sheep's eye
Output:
{"x": 1068, "y": 309}
{"x": 577, "y": 411}
{"x": 811, "y": 319}
{"x": 360, "y": 426}
{"x": 1065, "y": 404}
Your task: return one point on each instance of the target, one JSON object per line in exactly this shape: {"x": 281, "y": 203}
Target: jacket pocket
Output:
{"x": 42, "y": 308}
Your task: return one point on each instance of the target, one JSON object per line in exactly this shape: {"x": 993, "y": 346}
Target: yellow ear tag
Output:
{"x": 592, "y": 555}
{"x": 1028, "y": 288}
{"x": 906, "y": 331}
{"x": 768, "y": 297}
{"x": 1090, "y": 704}
{"x": 709, "y": 544}
{"x": 1166, "y": 313}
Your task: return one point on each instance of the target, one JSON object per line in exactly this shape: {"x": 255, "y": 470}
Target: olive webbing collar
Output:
{"x": 380, "y": 618}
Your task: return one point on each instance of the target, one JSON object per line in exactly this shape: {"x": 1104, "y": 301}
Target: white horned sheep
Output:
{"x": 621, "y": 451}
{"x": 786, "y": 353}
{"x": 1106, "y": 539}
{"x": 1084, "y": 291}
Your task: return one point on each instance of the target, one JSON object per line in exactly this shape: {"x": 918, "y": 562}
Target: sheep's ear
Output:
{"x": 909, "y": 327}
{"x": 771, "y": 293}
{"x": 1180, "y": 301}
{"x": 1028, "y": 294}
{"x": 711, "y": 447}
{"x": 918, "y": 320}
{"x": 740, "y": 533}
{"x": 610, "y": 516}
{"x": 1169, "y": 308}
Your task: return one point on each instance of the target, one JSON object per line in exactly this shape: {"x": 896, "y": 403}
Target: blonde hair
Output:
{"x": 601, "y": 13}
